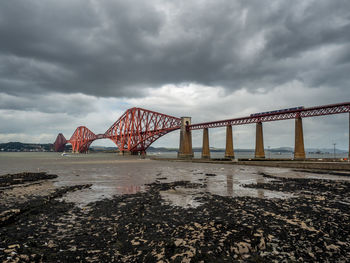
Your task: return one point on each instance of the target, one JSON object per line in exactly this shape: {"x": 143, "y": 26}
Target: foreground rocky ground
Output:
{"x": 313, "y": 226}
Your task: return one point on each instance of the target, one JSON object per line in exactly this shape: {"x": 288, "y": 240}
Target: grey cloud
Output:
{"x": 116, "y": 48}
{"x": 75, "y": 104}
{"x": 33, "y": 123}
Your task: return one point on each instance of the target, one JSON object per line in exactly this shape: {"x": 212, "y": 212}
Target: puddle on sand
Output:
{"x": 183, "y": 197}
{"x": 99, "y": 192}
{"x": 224, "y": 185}
{"x": 232, "y": 185}
{"x": 214, "y": 179}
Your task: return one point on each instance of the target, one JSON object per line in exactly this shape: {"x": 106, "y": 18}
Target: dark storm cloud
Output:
{"x": 116, "y": 48}
{"x": 75, "y": 104}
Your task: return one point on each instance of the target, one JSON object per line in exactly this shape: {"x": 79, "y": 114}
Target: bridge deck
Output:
{"x": 275, "y": 116}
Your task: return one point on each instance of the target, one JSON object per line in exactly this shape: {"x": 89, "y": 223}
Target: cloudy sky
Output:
{"x": 84, "y": 62}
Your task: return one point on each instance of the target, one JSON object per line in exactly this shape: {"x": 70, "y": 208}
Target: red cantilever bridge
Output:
{"x": 138, "y": 128}
{"x": 134, "y": 132}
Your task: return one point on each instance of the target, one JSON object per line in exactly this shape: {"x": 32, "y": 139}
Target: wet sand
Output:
{"x": 314, "y": 164}
{"x": 109, "y": 209}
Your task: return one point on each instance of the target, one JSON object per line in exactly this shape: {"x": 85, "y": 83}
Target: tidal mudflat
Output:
{"x": 102, "y": 208}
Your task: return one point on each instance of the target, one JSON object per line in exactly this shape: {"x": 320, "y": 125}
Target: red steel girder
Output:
{"x": 138, "y": 128}
{"x": 59, "y": 143}
{"x": 81, "y": 139}
{"x": 292, "y": 114}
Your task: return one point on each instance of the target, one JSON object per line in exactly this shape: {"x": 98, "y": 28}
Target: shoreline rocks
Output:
{"x": 312, "y": 227}
{"x": 21, "y": 178}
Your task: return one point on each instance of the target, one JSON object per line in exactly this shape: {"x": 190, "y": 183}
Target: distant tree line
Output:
{"x": 26, "y": 147}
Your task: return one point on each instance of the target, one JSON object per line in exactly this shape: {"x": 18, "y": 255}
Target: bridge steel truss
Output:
{"x": 276, "y": 116}
{"x": 133, "y": 132}
{"x": 60, "y": 143}
{"x": 81, "y": 139}
{"x": 138, "y": 128}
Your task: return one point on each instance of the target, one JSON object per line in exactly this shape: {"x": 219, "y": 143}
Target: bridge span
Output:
{"x": 133, "y": 132}
{"x": 138, "y": 128}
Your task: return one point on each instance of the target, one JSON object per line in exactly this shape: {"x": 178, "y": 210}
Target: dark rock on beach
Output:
{"x": 312, "y": 226}
{"x": 20, "y": 178}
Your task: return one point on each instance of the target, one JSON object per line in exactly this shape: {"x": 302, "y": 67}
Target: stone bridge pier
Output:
{"x": 259, "y": 142}
{"x": 185, "y": 148}
{"x": 229, "y": 153}
{"x": 299, "y": 150}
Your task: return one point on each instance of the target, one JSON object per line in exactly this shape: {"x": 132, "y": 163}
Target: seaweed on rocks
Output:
{"x": 269, "y": 176}
{"x": 142, "y": 228}
{"x": 332, "y": 188}
{"x": 11, "y": 212}
{"x": 157, "y": 186}
{"x": 20, "y": 178}
{"x": 323, "y": 172}
{"x": 162, "y": 178}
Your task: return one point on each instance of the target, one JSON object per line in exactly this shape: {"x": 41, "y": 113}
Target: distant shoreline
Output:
{"x": 37, "y": 147}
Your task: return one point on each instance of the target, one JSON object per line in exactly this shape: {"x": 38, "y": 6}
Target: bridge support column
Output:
{"x": 205, "y": 147}
{"x": 229, "y": 153}
{"x": 299, "y": 151}
{"x": 185, "y": 149}
{"x": 259, "y": 142}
